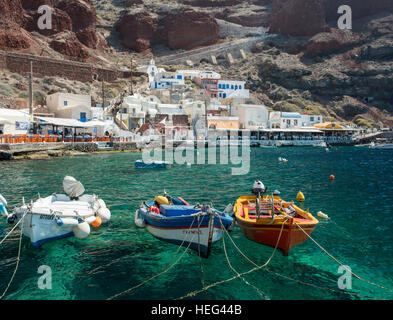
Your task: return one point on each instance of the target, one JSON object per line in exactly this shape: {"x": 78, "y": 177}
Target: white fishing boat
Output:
{"x": 374, "y": 145}
{"x": 60, "y": 215}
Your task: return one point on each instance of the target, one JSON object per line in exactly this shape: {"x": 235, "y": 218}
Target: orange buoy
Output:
{"x": 332, "y": 177}
{"x": 97, "y": 223}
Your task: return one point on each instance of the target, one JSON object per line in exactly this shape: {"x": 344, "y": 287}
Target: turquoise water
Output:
{"x": 118, "y": 255}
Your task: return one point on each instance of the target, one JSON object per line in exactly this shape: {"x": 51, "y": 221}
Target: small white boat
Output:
{"x": 60, "y": 215}
{"x": 374, "y": 145}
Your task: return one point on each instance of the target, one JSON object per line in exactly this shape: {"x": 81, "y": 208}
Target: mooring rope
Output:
{"x": 345, "y": 267}
{"x": 165, "y": 269}
{"x": 6, "y": 236}
{"x": 262, "y": 294}
{"x": 194, "y": 293}
{"x": 17, "y": 259}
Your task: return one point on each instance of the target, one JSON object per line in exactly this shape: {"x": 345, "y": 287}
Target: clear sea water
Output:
{"x": 118, "y": 255}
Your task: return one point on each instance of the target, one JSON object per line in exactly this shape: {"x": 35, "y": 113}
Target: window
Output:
{"x": 236, "y": 87}
{"x": 179, "y": 77}
{"x": 219, "y": 86}
{"x": 227, "y": 85}
{"x": 311, "y": 118}
{"x": 240, "y": 87}
{"x": 231, "y": 86}
{"x": 65, "y": 103}
{"x": 295, "y": 122}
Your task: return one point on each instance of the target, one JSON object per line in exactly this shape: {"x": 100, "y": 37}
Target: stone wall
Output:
{"x": 49, "y": 67}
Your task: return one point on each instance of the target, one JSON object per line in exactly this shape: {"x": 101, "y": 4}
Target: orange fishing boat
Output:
{"x": 263, "y": 217}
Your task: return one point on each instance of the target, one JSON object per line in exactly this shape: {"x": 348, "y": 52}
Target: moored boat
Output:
{"x": 60, "y": 215}
{"x": 374, "y": 145}
{"x": 269, "y": 220}
{"x": 176, "y": 221}
{"x": 148, "y": 164}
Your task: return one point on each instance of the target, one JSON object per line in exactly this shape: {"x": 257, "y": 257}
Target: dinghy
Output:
{"x": 150, "y": 164}
{"x": 60, "y": 215}
{"x": 262, "y": 217}
{"x": 176, "y": 221}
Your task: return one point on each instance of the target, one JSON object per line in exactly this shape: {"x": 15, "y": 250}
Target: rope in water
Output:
{"x": 17, "y": 259}
{"x": 194, "y": 293}
{"x": 345, "y": 267}
{"x": 6, "y": 236}
{"x": 165, "y": 269}
{"x": 262, "y": 294}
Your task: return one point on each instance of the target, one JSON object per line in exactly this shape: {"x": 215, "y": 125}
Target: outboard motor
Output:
{"x": 258, "y": 188}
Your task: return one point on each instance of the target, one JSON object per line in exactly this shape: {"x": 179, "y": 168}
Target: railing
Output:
{"x": 37, "y": 138}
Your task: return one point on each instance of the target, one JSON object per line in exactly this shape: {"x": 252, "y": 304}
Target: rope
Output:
{"x": 234, "y": 270}
{"x": 17, "y": 259}
{"x": 194, "y": 293}
{"x": 1, "y": 242}
{"x": 354, "y": 274}
{"x": 164, "y": 270}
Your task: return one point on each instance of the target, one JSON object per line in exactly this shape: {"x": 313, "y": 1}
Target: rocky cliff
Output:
{"x": 73, "y": 27}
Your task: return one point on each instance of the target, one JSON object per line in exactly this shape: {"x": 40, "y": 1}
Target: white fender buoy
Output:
{"x": 66, "y": 222}
{"x": 101, "y": 203}
{"x": 105, "y": 214}
{"x": 2, "y": 199}
{"x": 82, "y": 230}
{"x": 322, "y": 215}
{"x": 90, "y": 220}
{"x": 139, "y": 221}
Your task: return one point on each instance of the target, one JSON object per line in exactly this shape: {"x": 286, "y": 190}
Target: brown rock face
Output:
{"x": 189, "y": 29}
{"x": 69, "y": 45}
{"x": 137, "y": 30}
{"x": 35, "y": 4}
{"x": 360, "y": 9}
{"x": 13, "y": 37}
{"x": 60, "y": 22}
{"x": 11, "y": 10}
{"x": 298, "y": 17}
{"x": 81, "y": 12}
{"x": 327, "y": 42}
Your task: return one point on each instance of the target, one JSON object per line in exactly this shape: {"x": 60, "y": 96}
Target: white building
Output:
{"x": 71, "y": 106}
{"x": 232, "y": 89}
{"x": 13, "y": 121}
{"x": 251, "y": 116}
{"x": 308, "y": 120}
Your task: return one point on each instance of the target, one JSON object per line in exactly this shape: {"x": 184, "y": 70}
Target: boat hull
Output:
{"x": 189, "y": 231}
{"x": 42, "y": 228}
{"x": 268, "y": 235}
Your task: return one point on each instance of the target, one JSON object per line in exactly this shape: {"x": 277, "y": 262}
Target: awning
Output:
{"x": 62, "y": 122}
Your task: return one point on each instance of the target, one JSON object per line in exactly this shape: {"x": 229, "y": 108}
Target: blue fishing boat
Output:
{"x": 176, "y": 221}
{"x": 150, "y": 164}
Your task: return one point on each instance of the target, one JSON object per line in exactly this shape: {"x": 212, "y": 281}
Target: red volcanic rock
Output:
{"x": 69, "y": 45}
{"x": 81, "y": 12}
{"x": 251, "y": 19}
{"x": 188, "y": 29}
{"x": 90, "y": 38}
{"x": 11, "y": 10}
{"x": 334, "y": 40}
{"x": 14, "y": 37}
{"x": 35, "y": 4}
{"x": 298, "y": 18}
{"x": 60, "y": 22}
{"x": 137, "y": 30}
{"x": 360, "y": 9}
